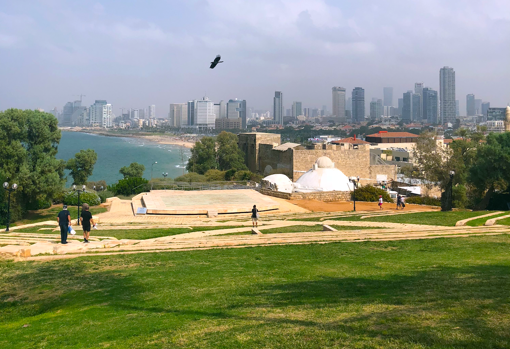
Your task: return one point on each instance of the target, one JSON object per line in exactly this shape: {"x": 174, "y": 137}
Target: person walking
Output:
{"x": 380, "y": 202}
{"x": 255, "y": 216}
{"x": 399, "y": 201}
{"x": 402, "y": 202}
{"x": 64, "y": 221}
{"x": 86, "y": 220}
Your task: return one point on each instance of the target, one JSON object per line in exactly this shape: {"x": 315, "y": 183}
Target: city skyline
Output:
{"x": 47, "y": 57}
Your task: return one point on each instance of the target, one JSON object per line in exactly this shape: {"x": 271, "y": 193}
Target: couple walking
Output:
{"x": 64, "y": 221}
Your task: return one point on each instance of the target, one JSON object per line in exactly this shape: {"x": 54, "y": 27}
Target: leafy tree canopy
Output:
{"x": 203, "y": 156}
{"x": 229, "y": 154}
{"x": 82, "y": 165}
{"x": 133, "y": 170}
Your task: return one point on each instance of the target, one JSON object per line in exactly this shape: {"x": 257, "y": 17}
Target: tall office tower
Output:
{"x": 237, "y": 109}
{"x": 107, "y": 116}
{"x": 407, "y": 106}
{"x": 54, "y": 112}
{"x": 178, "y": 116}
{"x": 220, "y": 109}
{"x": 297, "y": 109}
{"x": 376, "y": 109}
{"x": 325, "y": 109}
{"x": 430, "y": 104}
{"x": 470, "y": 105}
{"x": 485, "y": 108}
{"x": 388, "y": 96}
{"x": 278, "y": 107}
{"x": 358, "y": 104}
{"x": 142, "y": 114}
{"x": 96, "y": 113}
{"x": 418, "y": 89}
{"x": 191, "y": 113}
{"x": 152, "y": 111}
{"x": 417, "y": 108}
{"x": 478, "y": 107}
{"x": 339, "y": 102}
{"x": 348, "y": 109}
{"x": 457, "y": 108}
{"x": 204, "y": 114}
{"x": 288, "y": 112}
{"x": 400, "y": 106}
{"x": 134, "y": 114}
{"x": 447, "y": 95}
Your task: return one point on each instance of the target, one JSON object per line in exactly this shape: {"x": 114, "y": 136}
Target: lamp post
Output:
{"x": 10, "y": 190}
{"x": 165, "y": 174}
{"x": 101, "y": 188}
{"x": 354, "y": 181}
{"x": 79, "y": 191}
{"x": 152, "y": 167}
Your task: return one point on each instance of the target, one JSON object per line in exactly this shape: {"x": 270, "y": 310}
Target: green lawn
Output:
{"x": 481, "y": 221}
{"x": 505, "y": 221}
{"x": 442, "y": 293}
{"x": 428, "y": 218}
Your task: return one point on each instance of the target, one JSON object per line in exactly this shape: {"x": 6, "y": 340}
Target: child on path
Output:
{"x": 86, "y": 219}
{"x": 380, "y": 202}
{"x": 255, "y": 216}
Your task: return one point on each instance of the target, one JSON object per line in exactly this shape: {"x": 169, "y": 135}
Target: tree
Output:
{"x": 129, "y": 186}
{"x": 133, "y": 170}
{"x": 203, "y": 156}
{"x": 229, "y": 154}
{"x": 432, "y": 161}
{"x": 28, "y": 145}
{"x": 82, "y": 165}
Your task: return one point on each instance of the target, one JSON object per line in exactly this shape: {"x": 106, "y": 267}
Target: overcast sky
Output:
{"x": 136, "y": 53}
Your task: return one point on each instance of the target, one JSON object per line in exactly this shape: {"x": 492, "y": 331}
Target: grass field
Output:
{"x": 442, "y": 293}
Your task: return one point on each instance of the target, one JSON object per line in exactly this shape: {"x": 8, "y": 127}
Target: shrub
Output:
{"x": 88, "y": 197}
{"x": 191, "y": 177}
{"x": 129, "y": 186}
{"x": 460, "y": 199}
{"x": 215, "y": 175}
{"x": 229, "y": 175}
{"x": 371, "y": 193}
{"x": 98, "y": 184}
{"x": 103, "y": 195}
{"x": 423, "y": 200}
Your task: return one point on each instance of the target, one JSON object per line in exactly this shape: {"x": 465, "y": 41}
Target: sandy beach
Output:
{"x": 168, "y": 140}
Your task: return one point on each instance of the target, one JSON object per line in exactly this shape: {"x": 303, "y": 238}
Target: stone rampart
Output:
{"x": 325, "y": 196}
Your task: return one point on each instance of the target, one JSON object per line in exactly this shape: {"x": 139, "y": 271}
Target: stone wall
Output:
{"x": 249, "y": 143}
{"x": 276, "y": 159}
{"x": 389, "y": 170}
{"x": 325, "y": 196}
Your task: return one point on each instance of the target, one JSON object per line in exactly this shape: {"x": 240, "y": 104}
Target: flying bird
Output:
{"x": 216, "y": 61}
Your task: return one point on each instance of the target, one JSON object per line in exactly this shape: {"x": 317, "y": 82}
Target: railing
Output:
{"x": 206, "y": 185}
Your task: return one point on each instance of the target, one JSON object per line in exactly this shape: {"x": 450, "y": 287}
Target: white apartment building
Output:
{"x": 204, "y": 114}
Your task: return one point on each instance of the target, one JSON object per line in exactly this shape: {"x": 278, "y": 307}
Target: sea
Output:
{"x": 116, "y": 152}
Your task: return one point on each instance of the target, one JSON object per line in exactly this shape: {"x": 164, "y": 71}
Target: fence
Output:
{"x": 205, "y": 185}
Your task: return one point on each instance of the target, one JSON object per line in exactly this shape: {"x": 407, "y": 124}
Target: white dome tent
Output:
{"x": 323, "y": 177}
{"x": 278, "y": 182}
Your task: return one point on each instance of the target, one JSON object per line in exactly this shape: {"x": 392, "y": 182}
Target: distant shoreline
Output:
{"x": 159, "y": 139}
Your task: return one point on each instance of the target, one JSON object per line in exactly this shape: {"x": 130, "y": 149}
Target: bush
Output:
{"x": 371, "y": 193}
{"x": 103, "y": 195}
{"x": 215, "y": 175}
{"x": 460, "y": 199}
{"x": 423, "y": 200}
{"x": 191, "y": 177}
{"x": 98, "y": 184}
{"x": 129, "y": 186}
{"x": 88, "y": 197}
{"x": 229, "y": 175}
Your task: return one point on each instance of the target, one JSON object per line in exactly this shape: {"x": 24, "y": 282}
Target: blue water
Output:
{"x": 116, "y": 152}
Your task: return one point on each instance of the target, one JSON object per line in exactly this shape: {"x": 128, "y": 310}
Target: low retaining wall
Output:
{"x": 326, "y": 196}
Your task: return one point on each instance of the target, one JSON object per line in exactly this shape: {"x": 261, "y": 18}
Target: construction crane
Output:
{"x": 81, "y": 97}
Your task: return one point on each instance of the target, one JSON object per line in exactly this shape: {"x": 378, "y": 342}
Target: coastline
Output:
{"x": 186, "y": 142}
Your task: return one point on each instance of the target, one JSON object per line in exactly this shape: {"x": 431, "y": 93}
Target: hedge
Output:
{"x": 85, "y": 198}
{"x": 423, "y": 200}
{"x": 371, "y": 194}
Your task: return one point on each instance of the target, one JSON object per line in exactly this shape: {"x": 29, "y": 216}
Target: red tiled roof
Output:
{"x": 347, "y": 127}
{"x": 384, "y": 134}
{"x": 350, "y": 140}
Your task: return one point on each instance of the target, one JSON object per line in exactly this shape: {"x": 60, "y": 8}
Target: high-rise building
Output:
{"x": 417, "y": 107}
{"x": 220, "y": 109}
{"x": 178, "y": 116}
{"x": 470, "y": 105}
{"x": 142, "y": 115}
{"x": 400, "y": 106}
{"x": 107, "y": 116}
{"x": 418, "y": 112}
{"x": 96, "y": 113}
{"x": 407, "y": 106}
{"x": 430, "y": 105}
{"x": 358, "y": 104}
{"x": 278, "y": 107}
{"x": 152, "y": 111}
{"x": 376, "y": 109}
{"x": 204, "y": 114}
{"x": 192, "y": 113}
{"x": 339, "y": 102}
{"x": 478, "y": 107}
{"x": 496, "y": 114}
{"x": 485, "y": 107}
{"x": 297, "y": 109}
{"x": 447, "y": 95}
{"x": 236, "y": 109}
{"x": 388, "y": 96}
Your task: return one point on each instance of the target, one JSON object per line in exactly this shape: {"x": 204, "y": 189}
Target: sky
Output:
{"x": 138, "y": 53}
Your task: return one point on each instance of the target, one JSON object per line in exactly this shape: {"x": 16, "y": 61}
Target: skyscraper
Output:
{"x": 388, "y": 96}
{"x": 447, "y": 95}
{"x": 220, "y": 109}
{"x": 204, "y": 114}
{"x": 297, "y": 109}
{"x": 478, "y": 107}
{"x": 376, "y": 109}
{"x": 358, "y": 104}
{"x": 430, "y": 104}
{"x": 339, "y": 102}
{"x": 236, "y": 109}
{"x": 152, "y": 111}
{"x": 96, "y": 113}
{"x": 407, "y": 106}
{"x": 178, "y": 115}
{"x": 400, "y": 106}
{"x": 418, "y": 111}
{"x": 485, "y": 108}
{"x": 470, "y": 105}
{"x": 278, "y": 107}
{"x": 191, "y": 112}
{"x": 417, "y": 107}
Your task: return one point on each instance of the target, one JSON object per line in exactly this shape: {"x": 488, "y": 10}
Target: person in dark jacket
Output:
{"x": 64, "y": 221}
{"x": 255, "y": 216}
{"x": 86, "y": 220}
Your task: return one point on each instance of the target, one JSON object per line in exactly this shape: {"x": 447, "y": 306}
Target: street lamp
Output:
{"x": 11, "y": 189}
{"x": 355, "y": 182}
{"x": 79, "y": 191}
{"x": 152, "y": 167}
{"x": 101, "y": 188}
